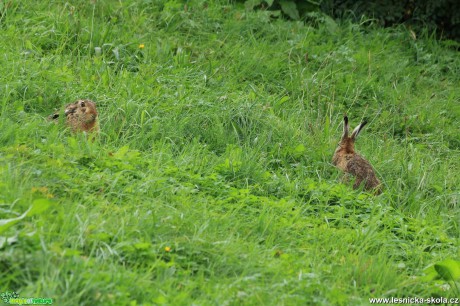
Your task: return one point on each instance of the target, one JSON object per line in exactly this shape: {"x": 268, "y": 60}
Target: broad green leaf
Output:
{"x": 39, "y": 206}
{"x": 331, "y": 25}
{"x": 160, "y": 300}
{"x": 290, "y": 9}
{"x": 299, "y": 150}
{"x": 430, "y": 274}
{"x": 250, "y": 4}
{"x": 5, "y": 224}
{"x": 282, "y": 100}
{"x": 275, "y": 13}
{"x": 448, "y": 269}
{"x": 142, "y": 246}
{"x": 121, "y": 153}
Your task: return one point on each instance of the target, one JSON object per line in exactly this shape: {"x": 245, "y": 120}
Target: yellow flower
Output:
{"x": 168, "y": 249}
{"x": 44, "y": 191}
{"x": 141, "y": 46}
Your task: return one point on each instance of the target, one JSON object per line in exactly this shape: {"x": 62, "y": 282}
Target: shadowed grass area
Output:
{"x": 211, "y": 182}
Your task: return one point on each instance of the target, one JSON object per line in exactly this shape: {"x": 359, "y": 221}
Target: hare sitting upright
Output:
{"x": 81, "y": 116}
{"x": 346, "y": 159}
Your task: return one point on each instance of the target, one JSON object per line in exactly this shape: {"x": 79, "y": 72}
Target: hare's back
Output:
{"x": 360, "y": 167}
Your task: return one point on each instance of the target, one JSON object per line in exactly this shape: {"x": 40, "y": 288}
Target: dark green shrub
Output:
{"x": 442, "y": 16}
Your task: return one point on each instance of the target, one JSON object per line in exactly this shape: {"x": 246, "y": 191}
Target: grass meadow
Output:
{"x": 211, "y": 182}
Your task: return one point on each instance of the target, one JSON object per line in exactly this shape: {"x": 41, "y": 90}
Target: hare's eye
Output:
{"x": 82, "y": 103}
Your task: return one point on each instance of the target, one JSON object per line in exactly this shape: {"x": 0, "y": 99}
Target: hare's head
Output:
{"x": 347, "y": 142}
{"x": 85, "y": 110}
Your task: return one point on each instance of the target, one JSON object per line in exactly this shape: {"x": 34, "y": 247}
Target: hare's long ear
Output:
{"x": 345, "y": 127}
{"x": 358, "y": 129}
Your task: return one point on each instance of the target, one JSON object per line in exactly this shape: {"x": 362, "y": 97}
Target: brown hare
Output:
{"x": 81, "y": 116}
{"x": 346, "y": 159}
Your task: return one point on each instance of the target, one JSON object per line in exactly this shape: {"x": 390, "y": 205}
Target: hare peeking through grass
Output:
{"x": 346, "y": 159}
{"x": 81, "y": 116}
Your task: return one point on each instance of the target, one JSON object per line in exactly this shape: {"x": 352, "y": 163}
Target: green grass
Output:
{"x": 216, "y": 142}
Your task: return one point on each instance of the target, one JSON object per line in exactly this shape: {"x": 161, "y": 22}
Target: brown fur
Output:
{"x": 351, "y": 163}
{"x": 81, "y": 116}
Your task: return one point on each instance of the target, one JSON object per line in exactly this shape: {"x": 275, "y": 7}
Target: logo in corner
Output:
{"x": 12, "y": 297}
{"x": 6, "y": 296}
